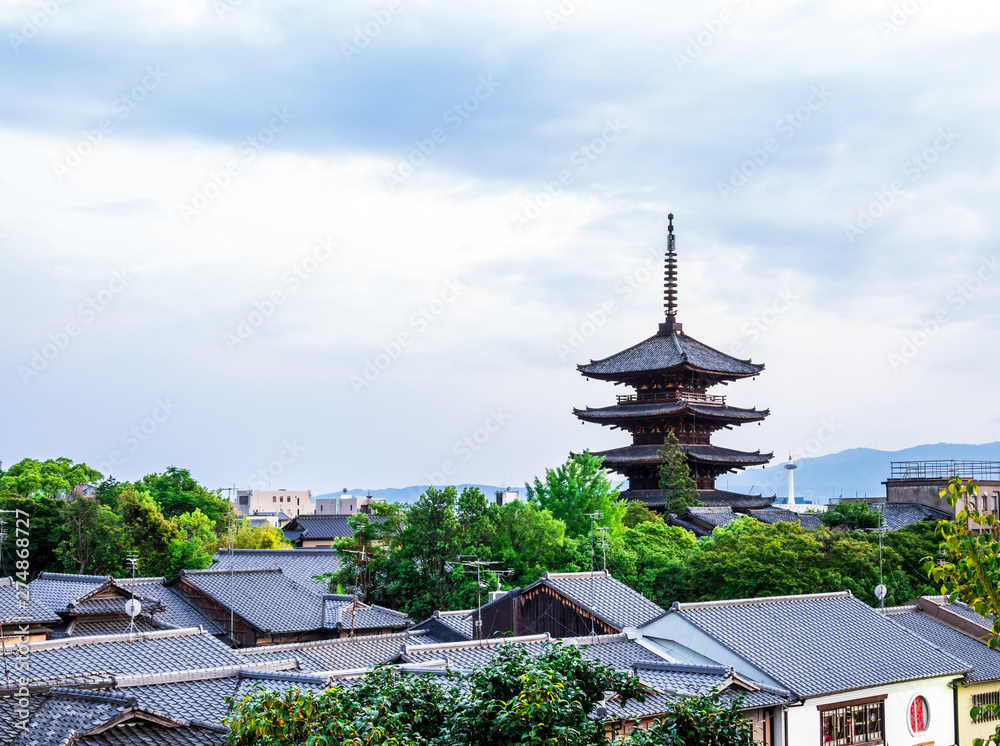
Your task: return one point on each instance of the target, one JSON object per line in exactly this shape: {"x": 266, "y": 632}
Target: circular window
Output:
{"x": 920, "y": 715}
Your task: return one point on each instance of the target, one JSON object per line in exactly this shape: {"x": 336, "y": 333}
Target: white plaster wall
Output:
{"x": 804, "y": 721}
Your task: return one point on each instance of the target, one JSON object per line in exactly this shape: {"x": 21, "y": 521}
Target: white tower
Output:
{"x": 791, "y": 466}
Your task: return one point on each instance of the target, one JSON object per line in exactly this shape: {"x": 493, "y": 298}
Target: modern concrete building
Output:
{"x": 346, "y": 504}
{"x": 289, "y": 502}
{"x": 921, "y": 482}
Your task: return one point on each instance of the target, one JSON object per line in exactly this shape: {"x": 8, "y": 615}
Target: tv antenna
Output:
{"x": 471, "y": 560}
{"x": 880, "y": 590}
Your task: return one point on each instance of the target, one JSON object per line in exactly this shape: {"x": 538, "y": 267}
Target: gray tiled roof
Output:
{"x": 320, "y": 527}
{"x": 607, "y": 598}
{"x": 699, "y": 531}
{"x": 686, "y": 679}
{"x": 665, "y": 351}
{"x": 782, "y": 515}
{"x": 616, "y": 651}
{"x": 201, "y": 699}
{"x": 265, "y": 598}
{"x": 647, "y": 454}
{"x": 664, "y": 409}
{"x": 720, "y": 498}
{"x": 819, "y": 644}
{"x": 900, "y": 515}
{"x": 333, "y": 655}
{"x": 13, "y": 606}
{"x": 963, "y": 609}
{"x": 180, "y": 614}
{"x": 460, "y": 622}
{"x": 715, "y": 515}
{"x": 163, "y": 651}
{"x": 985, "y": 663}
{"x": 63, "y": 712}
{"x": 341, "y": 611}
{"x": 57, "y": 590}
{"x": 151, "y": 734}
{"x": 301, "y": 565}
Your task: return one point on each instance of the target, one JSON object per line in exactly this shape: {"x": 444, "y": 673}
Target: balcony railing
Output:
{"x": 655, "y": 397}
{"x": 982, "y": 470}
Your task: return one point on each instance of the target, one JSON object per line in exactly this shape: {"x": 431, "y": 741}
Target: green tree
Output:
{"x": 650, "y": 558}
{"x": 578, "y": 487}
{"x": 679, "y": 489}
{"x": 851, "y": 515}
{"x": 195, "y": 544}
{"x": 49, "y": 478}
{"x": 259, "y": 537}
{"x": 518, "y": 698}
{"x": 704, "y": 720}
{"x": 971, "y": 568}
{"x": 146, "y": 530}
{"x": 43, "y": 525}
{"x": 93, "y": 538}
{"x": 428, "y": 547}
{"x": 637, "y": 512}
{"x": 749, "y": 559}
{"x": 175, "y": 491}
{"x": 528, "y": 541}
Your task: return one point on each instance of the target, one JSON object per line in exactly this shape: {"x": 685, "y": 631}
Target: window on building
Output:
{"x": 321, "y": 508}
{"x": 274, "y": 498}
{"x": 986, "y": 698}
{"x": 859, "y": 721}
{"x": 281, "y": 499}
{"x": 920, "y": 715}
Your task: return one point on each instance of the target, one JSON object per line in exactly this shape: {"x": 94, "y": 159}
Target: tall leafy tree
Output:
{"x": 175, "y": 491}
{"x": 44, "y": 529}
{"x": 147, "y": 531}
{"x": 259, "y": 537}
{"x": 637, "y": 512}
{"x": 579, "y": 487}
{"x": 970, "y": 571}
{"x": 195, "y": 544}
{"x": 851, "y": 515}
{"x": 518, "y": 698}
{"x": 680, "y": 491}
{"x": 49, "y": 478}
{"x": 93, "y": 538}
{"x": 429, "y": 546}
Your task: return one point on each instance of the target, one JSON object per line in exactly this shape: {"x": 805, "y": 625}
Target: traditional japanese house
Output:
{"x": 671, "y": 373}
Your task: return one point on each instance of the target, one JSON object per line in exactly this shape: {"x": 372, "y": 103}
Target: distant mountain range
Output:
{"x": 412, "y": 494}
{"x": 858, "y": 471}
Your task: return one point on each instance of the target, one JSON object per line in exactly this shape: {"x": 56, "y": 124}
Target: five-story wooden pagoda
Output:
{"x": 671, "y": 374}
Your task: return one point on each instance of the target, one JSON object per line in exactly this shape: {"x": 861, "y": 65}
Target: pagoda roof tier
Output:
{"x": 709, "y": 498}
{"x": 655, "y": 410}
{"x": 667, "y": 351}
{"x": 709, "y": 455}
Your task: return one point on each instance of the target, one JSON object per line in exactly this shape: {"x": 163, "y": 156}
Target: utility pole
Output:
{"x": 604, "y": 544}
{"x": 592, "y": 516}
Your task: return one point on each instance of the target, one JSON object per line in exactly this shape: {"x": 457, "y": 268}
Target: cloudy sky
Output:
{"x": 362, "y": 244}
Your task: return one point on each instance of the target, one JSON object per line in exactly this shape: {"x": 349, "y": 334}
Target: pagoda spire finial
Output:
{"x": 670, "y": 281}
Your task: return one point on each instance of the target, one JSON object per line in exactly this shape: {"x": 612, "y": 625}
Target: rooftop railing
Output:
{"x": 982, "y": 470}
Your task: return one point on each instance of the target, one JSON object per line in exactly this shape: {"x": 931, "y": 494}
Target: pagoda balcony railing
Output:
{"x": 653, "y": 397}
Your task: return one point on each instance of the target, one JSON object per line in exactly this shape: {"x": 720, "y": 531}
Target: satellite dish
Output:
{"x": 133, "y": 607}
{"x": 880, "y": 592}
